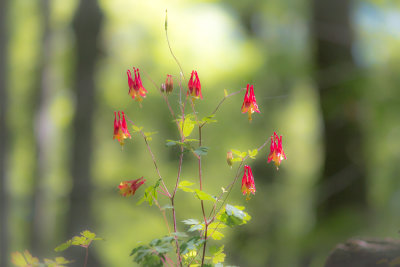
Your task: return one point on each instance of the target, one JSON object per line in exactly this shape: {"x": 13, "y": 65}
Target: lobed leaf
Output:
{"x": 233, "y": 215}
{"x": 63, "y": 246}
{"x": 201, "y": 151}
{"x": 203, "y": 195}
{"x": 184, "y": 185}
{"x": 217, "y": 253}
{"x": 191, "y": 244}
{"x": 208, "y": 119}
{"x": 190, "y": 221}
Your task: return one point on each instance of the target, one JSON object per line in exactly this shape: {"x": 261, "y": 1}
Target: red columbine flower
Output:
{"x": 248, "y": 185}
{"x": 128, "y": 188}
{"x": 136, "y": 89}
{"x": 194, "y": 86}
{"x": 276, "y": 154}
{"x": 249, "y": 102}
{"x": 120, "y": 128}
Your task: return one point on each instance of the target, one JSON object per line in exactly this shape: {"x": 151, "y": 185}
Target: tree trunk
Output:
{"x": 3, "y": 134}
{"x": 41, "y": 230}
{"x": 343, "y": 182}
{"x": 86, "y": 25}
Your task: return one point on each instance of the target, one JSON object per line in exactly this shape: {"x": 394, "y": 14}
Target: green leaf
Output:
{"x": 204, "y": 196}
{"x": 63, "y": 246}
{"x": 136, "y": 128}
{"x": 58, "y": 262}
{"x": 25, "y": 260}
{"x": 201, "y": 151}
{"x": 80, "y": 241}
{"x": 188, "y": 125}
{"x": 253, "y": 153}
{"x": 225, "y": 93}
{"x": 217, "y": 253}
{"x": 150, "y": 193}
{"x": 151, "y": 254}
{"x": 88, "y": 234}
{"x": 184, "y": 185}
{"x": 192, "y": 244}
{"x": 171, "y": 143}
{"x": 196, "y": 227}
{"x": 238, "y": 153}
{"x": 208, "y": 119}
{"x": 190, "y": 221}
{"x": 216, "y": 235}
{"x": 179, "y": 234}
{"x": 233, "y": 215}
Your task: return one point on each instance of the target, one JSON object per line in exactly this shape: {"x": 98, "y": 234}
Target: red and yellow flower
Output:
{"x": 277, "y": 154}
{"x": 249, "y": 102}
{"x": 120, "y": 128}
{"x": 248, "y": 185}
{"x": 194, "y": 86}
{"x": 136, "y": 89}
{"x": 128, "y": 188}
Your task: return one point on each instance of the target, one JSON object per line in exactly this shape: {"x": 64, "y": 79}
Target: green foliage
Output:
{"x": 184, "y": 185}
{"x": 24, "y": 260}
{"x": 233, "y": 215}
{"x": 204, "y": 196}
{"x": 186, "y": 144}
{"x": 147, "y": 135}
{"x": 217, "y": 254}
{"x": 238, "y": 153}
{"x": 154, "y": 253}
{"x": 57, "y": 262}
{"x": 253, "y": 153}
{"x": 208, "y": 119}
{"x": 150, "y": 194}
{"x": 136, "y": 128}
{"x": 84, "y": 240}
{"x": 188, "y": 124}
{"x": 213, "y": 230}
{"x": 27, "y": 260}
{"x": 192, "y": 243}
{"x": 201, "y": 151}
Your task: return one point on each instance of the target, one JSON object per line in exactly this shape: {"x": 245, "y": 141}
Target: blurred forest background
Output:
{"x": 326, "y": 77}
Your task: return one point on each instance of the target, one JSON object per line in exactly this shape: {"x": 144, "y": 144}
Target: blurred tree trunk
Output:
{"x": 3, "y": 134}
{"x": 86, "y": 25}
{"x": 338, "y": 80}
{"x": 40, "y": 229}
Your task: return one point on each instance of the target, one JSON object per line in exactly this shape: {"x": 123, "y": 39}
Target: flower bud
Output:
{"x": 229, "y": 158}
{"x": 169, "y": 84}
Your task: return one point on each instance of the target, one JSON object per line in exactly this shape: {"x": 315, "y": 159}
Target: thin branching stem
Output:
{"x": 86, "y": 256}
{"x": 163, "y": 213}
{"x": 222, "y": 101}
{"x": 214, "y": 211}
{"x": 164, "y": 188}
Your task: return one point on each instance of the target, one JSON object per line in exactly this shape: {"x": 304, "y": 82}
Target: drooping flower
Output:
{"x": 194, "y": 86}
{"x": 136, "y": 89}
{"x": 248, "y": 185}
{"x": 229, "y": 158}
{"x": 120, "y": 128}
{"x": 249, "y": 102}
{"x": 128, "y": 188}
{"x": 277, "y": 154}
{"x": 169, "y": 84}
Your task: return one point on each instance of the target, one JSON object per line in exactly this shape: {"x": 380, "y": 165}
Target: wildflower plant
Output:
{"x": 199, "y": 244}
